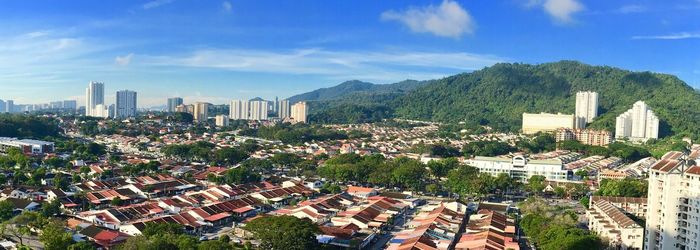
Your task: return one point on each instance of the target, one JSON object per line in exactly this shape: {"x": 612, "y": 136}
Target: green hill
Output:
{"x": 498, "y": 95}
{"x": 355, "y": 88}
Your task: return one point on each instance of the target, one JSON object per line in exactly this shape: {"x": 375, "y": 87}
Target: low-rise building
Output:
{"x": 521, "y": 167}
{"x": 611, "y": 223}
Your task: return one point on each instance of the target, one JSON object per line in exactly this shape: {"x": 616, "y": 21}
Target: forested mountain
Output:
{"x": 498, "y": 95}
{"x": 355, "y": 88}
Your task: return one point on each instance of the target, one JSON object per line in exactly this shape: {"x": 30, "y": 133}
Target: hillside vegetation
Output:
{"x": 498, "y": 95}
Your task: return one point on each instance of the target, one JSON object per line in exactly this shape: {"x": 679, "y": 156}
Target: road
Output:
{"x": 399, "y": 222}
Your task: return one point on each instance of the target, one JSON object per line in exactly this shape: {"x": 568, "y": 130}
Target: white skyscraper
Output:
{"x": 639, "y": 123}
{"x": 284, "y": 109}
{"x": 258, "y": 110}
{"x": 238, "y": 110}
{"x": 586, "y": 108}
{"x": 126, "y": 104}
{"x": 673, "y": 204}
{"x": 94, "y": 96}
{"x": 299, "y": 111}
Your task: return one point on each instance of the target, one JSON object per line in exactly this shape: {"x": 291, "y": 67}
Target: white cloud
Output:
{"x": 123, "y": 60}
{"x": 448, "y": 19}
{"x": 561, "y": 11}
{"x": 226, "y": 5}
{"x": 632, "y": 8}
{"x": 382, "y": 66}
{"x": 674, "y": 36}
{"x": 156, "y": 4}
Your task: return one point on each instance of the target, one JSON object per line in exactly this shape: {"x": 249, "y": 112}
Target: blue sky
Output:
{"x": 221, "y": 50}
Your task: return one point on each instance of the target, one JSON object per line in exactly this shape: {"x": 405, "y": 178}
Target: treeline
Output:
{"x": 623, "y": 188}
{"x": 295, "y": 134}
{"x": 436, "y": 177}
{"x": 27, "y": 126}
{"x": 624, "y": 151}
{"x": 206, "y": 152}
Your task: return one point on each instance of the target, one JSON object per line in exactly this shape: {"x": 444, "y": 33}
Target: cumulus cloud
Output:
{"x": 123, "y": 60}
{"x": 674, "y": 36}
{"x": 561, "y": 11}
{"x": 156, "y": 4}
{"x": 226, "y": 5}
{"x": 448, "y": 19}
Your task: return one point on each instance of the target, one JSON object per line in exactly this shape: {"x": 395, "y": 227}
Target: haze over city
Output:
{"x": 218, "y": 50}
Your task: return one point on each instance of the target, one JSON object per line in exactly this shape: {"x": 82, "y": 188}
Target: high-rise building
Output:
{"x": 238, "y": 110}
{"x": 173, "y": 103}
{"x": 299, "y": 111}
{"x": 586, "y": 108}
{"x": 258, "y": 110}
{"x": 9, "y": 106}
{"x": 673, "y": 204}
{"x": 545, "y": 122}
{"x": 637, "y": 124}
{"x": 222, "y": 120}
{"x": 70, "y": 104}
{"x": 201, "y": 112}
{"x": 126, "y": 104}
{"x": 276, "y": 108}
{"x": 94, "y": 96}
{"x": 2, "y": 106}
{"x": 284, "y": 109}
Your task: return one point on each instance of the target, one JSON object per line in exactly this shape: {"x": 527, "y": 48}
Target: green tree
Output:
{"x": 83, "y": 245}
{"x": 54, "y": 237}
{"x": 6, "y": 210}
{"x": 536, "y": 183}
{"x": 284, "y": 232}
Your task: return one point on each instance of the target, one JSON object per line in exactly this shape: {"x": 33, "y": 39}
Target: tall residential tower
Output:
{"x": 586, "y": 108}
{"x": 126, "y": 104}
{"x": 638, "y": 124}
{"x": 95, "y": 100}
{"x": 173, "y": 103}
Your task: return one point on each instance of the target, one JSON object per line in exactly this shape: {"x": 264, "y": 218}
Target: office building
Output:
{"x": 299, "y": 111}
{"x": 2, "y": 106}
{"x": 586, "y": 108}
{"x": 94, "y": 97}
{"x": 70, "y": 104}
{"x": 276, "y": 107}
{"x": 545, "y": 122}
{"x": 612, "y": 224}
{"x": 521, "y": 168}
{"x": 201, "y": 112}
{"x": 673, "y": 215}
{"x": 126, "y": 104}
{"x": 637, "y": 124}
{"x": 222, "y": 121}
{"x": 284, "y": 109}
{"x": 258, "y": 110}
{"x": 173, "y": 103}
{"x": 585, "y": 136}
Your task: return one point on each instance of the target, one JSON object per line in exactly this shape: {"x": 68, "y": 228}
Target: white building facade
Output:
{"x": 673, "y": 215}
{"x": 586, "y": 108}
{"x": 545, "y": 122}
{"x": 95, "y": 100}
{"x": 299, "y": 111}
{"x": 637, "y": 124}
{"x": 521, "y": 168}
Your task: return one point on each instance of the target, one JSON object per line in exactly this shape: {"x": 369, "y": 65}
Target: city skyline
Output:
{"x": 137, "y": 45}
